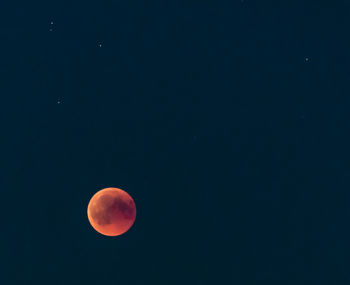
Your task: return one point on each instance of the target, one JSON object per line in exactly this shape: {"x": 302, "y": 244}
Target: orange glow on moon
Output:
{"x": 111, "y": 211}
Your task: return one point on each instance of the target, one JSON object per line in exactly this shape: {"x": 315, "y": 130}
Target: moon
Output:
{"x": 111, "y": 211}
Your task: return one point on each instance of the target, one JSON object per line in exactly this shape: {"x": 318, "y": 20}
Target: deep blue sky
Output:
{"x": 228, "y": 123}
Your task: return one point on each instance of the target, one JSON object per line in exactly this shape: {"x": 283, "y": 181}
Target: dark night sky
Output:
{"x": 227, "y": 122}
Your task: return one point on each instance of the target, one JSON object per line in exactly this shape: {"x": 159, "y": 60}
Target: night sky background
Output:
{"x": 226, "y": 121}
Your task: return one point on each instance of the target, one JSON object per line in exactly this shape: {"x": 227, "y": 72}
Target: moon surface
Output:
{"x": 111, "y": 211}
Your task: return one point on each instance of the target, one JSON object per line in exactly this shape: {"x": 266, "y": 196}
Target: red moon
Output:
{"x": 111, "y": 211}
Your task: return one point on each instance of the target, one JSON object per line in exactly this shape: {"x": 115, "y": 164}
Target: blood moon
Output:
{"x": 111, "y": 211}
